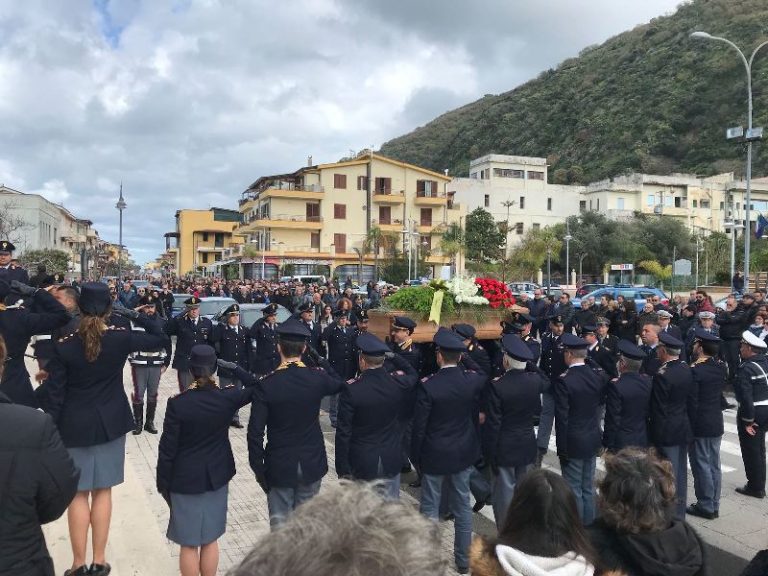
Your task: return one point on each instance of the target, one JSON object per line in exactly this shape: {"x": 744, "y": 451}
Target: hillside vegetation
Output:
{"x": 651, "y": 99}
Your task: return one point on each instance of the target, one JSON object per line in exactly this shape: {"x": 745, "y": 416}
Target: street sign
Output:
{"x": 682, "y": 267}
{"x": 622, "y": 267}
{"x": 736, "y": 132}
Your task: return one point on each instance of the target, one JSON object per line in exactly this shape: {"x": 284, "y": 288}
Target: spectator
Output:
{"x": 647, "y": 316}
{"x": 635, "y": 532}
{"x": 365, "y": 535}
{"x": 541, "y": 534}
{"x": 738, "y": 282}
{"x": 626, "y": 319}
{"x": 704, "y": 302}
{"x": 38, "y": 480}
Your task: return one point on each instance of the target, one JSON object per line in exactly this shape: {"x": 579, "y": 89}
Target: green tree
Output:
{"x": 377, "y": 240}
{"x": 484, "y": 240}
{"x": 395, "y": 268}
{"x": 54, "y": 260}
{"x": 530, "y": 255}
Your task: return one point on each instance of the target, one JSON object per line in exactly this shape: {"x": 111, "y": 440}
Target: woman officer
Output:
{"x": 88, "y": 403}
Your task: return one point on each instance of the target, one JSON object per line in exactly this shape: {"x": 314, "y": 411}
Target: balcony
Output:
{"x": 431, "y": 228}
{"x": 387, "y": 196}
{"x": 295, "y": 191}
{"x": 431, "y": 199}
{"x": 392, "y": 225}
{"x": 286, "y": 221}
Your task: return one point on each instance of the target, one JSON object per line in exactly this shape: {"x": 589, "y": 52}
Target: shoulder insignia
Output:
{"x": 480, "y": 347}
{"x": 662, "y": 369}
{"x": 425, "y": 378}
{"x": 66, "y": 337}
{"x": 352, "y": 381}
{"x": 317, "y": 368}
{"x": 116, "y": 328}
{"x": 699, "y": 361}
{"x": 266, "y": 375}
{"x": 228, "y": 387}
{"x": 398, "y": 373}
{"x": 497, "y": 378}
{"x": 563, "y": 374}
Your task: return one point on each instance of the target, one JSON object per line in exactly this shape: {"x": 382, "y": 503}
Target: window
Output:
{"x": 473, "y": 175}
{"x": 519, "y": 228}
{"x": 620, "y": 203}
{"x": 582, "y": 205}
{"x": 598, "y": 204}
{"x": 651, "y": 200}
{"x": 590, "y": 204}
{"x": 522, "y": 202}
{"x": 485, "y": 174}
{"x": 536, "y": 226}
{"x": 549, "y": 204}
{"x": 668, "y": 201}
{"x": 205, "y": 257}
{"x": 678, "y": 202}
{"x": 314, "y": 240}
{"x": 218, "y": 240}
{"x": 722, "y": 205}
{"x": 535, "y": 175}
{"x": 487, "y": 200}
{"x": 738, "y": 205}
{"x": 383, "y": 185}
{"x": 695, "y": 203}
{"x": 505, "y": 173}
{"x": 362, "y": 182}
{"x": 385, "y": 215}
{"x": 426, "y": 188}
{"x": 205, "y": 236}
{"x": 426, "y": 217}
{"x": 340, "y": 211}
{"x": 704, "y": 204}
{"x": 313, "y": 212}
{"x": 340, "y": 181}
{"x": 340, "y": 242}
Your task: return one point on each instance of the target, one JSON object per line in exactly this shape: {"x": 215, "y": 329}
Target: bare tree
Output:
{"x": 11, "y": 224}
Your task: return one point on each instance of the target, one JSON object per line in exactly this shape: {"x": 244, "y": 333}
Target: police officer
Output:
{"x": 578, "y": 395}
{"x": 360, "y": 321}
{"x": 474, "y": 350}
{"x": 649, "y": 336}
{"x": 190, "y": 329}
{"x": 606, "y": 340}
{"x": 752, "y": 416}
{"x": 9, "y": 271}
{"x": 709, "y": 376}
{"x": 147, "y": 366}
{"x": 287, "y": 403}
{"x": 445, "y": 441}
{"x": 600, "y": 356}
{"x": 402, "y": 345}
{"x": 627, "y": 401}
{"x": 673, "y": 409}
{"x": 509, "y": 441}
{"x": 368, "y": 424}
{"x": 17, "y": 326}
{"x": 553, "y": 364}
{"x": 263, "y": 334}
{"x": 307, "y": 316}
{"x": 232, "y": 344}
{"x": 732, "y": 323}
{"x": 339, "y": 338}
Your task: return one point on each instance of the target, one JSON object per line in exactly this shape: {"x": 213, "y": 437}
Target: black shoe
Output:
{"x": 236, "y": 424}
{"x": 82, "y": 571}
{"x": 696, "y": 510}
{"x": 100, "y": 569}
{"x": 747, "y": 491}
{"x": 150, "y": 427}
{"x": 415, "y": 484}
{"x": 138, "y": 418}
{"x": 478, "y": 506}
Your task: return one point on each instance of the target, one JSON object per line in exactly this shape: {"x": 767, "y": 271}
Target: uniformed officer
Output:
{"x": 606, "y": 340}
{"x": 709, "y": 376}
{"x": 553, "y": 364}
{"x": 9, "y": 271}
{"x": 17, "y": 326}
{"x": 263, "y": 334}
{"x": 287, "y": 403}
{"x": 579, "y": 392}
{"x": 232, "y": 344}
{"x": 307, "y": 317}
{"x": 649, "y": 335}
{"x": 147, "y": 366}
{"x": 627, "y": 401}
{"x": 368, "y": 434}
{"x": 673, "y": 409}
{"x": 601, "y": 357}
{"x": 474, "y": 350}
{"x": 445, "y": 442}
{"x": 402, "y": 345}
{"x": 360, "y": 321}
{"x": 508, "y": 438}
{"x": 190, "y": 329}
{"x": 752, "y": 416}
{"x": 339, "y": 339}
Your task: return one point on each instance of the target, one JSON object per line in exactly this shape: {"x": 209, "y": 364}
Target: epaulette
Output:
{"x": 397, "y": 373}
{"x": 699, "y": 361}
{"x": 497, "y": 378}
{"x": 116, "y": 328}
{"x": 614, "y": 380}
{"x": 426, "y": 378}
{"x": 318, "y": 368}
{"x": 662, "y": 369}
{"x": 563, "y": 374}
{"x": 268, "y": 374}
{"x": 228, "y": 387}
{"x": 66, "y": 337}
{"x": 351, "y": 381}
{"x": 479, "y": 347}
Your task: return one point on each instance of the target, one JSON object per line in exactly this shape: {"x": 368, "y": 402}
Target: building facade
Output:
{"x": 201, "y": 239}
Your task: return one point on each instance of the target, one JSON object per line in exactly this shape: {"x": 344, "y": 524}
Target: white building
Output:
{"x": 515, "y": 190}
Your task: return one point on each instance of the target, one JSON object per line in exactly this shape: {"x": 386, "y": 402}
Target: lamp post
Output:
{"x": 549, "y": 269}
{"x": 568, "y": 239}
{"x": 751, "y": 136}
{"x": 121, "y": 205}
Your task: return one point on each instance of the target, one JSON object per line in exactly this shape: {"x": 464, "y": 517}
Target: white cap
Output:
{"x": 663, "y": 314}
{"x": 753, "y": 340}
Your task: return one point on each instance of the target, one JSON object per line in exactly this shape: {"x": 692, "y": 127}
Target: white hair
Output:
{"x": 512, "y": 364}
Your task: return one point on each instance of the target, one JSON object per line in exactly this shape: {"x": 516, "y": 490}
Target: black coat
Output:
{"x": 368, "y": 430}
{"x": 651, "y": 362}
{"x": 38, "y": 479}
{"x": 578, "y": 395}
{"x": 232, "y": 346}
{"x": 187, "y": 335}
{"x": 13, "y": 272}
{"x": 514, "y": 401}
{"x": 287, "y": 405}
{"x": 87, "y": 399}
{"x": 341, "y": 350}
{"x": 610, "y": 343}
{"x": 627, "y": 406}
{"x": 444, "y": 438}
{"x": 552, "y": 361}
{"x": 605, "y": 360}
{"x": 673, "y": 404}
{"x": 709, "y": 377}
{"x": 480, "y": 356}
{"x": 316, "y": 336}
{"x": 17, "y": 326}
{"x": 264, "y": 355}
{"x": 195, "y": 455}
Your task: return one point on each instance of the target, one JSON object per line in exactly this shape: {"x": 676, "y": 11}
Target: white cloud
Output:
{"x": 53, "y": 190}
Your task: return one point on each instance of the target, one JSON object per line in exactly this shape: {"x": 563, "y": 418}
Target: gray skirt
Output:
{"x": 198, "y": 519}
{"x": 101, "y": 466}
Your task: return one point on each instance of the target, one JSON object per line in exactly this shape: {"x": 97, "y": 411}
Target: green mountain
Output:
{"x": 651, "y": 99}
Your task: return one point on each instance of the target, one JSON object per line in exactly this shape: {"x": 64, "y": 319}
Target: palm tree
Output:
{"x": 375, "y": 240}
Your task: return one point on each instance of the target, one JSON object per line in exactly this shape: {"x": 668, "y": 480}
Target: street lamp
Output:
{"x": 121, "y": 205}
{"x": 751, "y": 135}
{"x": 549, "y": 269}
{"x": 568, "y": 239}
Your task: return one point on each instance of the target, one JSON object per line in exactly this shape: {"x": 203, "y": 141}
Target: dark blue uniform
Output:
{"x": 651, "y": 362}
{"x": 368, "y": 428}
{"x": 315, "y": 339}
{"x": 341, "y": 350}
{"x": 552, "y": 361}
{"x": 480, "y": 356}
{"x": 751, "y": 387}
{"x": 17, "y": 326}
{"x": 12, "y": 272}
{"x": 188, "y": 333}
{"x": 233, "y": 345}
{"x": 605, "y": 360}
{"x": 626, "y": 411}
{"x": 264, "y": 355}
{"x": 534, "y": 346}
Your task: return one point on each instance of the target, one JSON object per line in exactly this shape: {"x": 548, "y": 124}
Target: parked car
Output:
{"x": 249, "y": 313}
{"x": 209, "y": 306}
{"x": 720, "y": 304}
{"x": 306, "y": 279}
{"x": 637, "y": 293}
{"x": 517, "y": 288}
{"x": 178, "y": 303}
{"x": 587, "y": 288}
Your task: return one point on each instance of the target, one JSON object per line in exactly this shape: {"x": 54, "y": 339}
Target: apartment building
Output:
{"x": 201, "y": 238}
{"x": 316, "y": 219}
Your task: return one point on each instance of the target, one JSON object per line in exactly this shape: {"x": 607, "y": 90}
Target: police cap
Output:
{"x": 95, "y": 299}
{"x": 340, "y": 313}
{"x": 232, "y": 310}
{"x": 588, "y": 329}
{"x": 755, "y": 342}
{"x": 269, "y": 310}
{"x": 6, "y": 246}
{"x": 202, "y": 356}
{"x": 404, "y": 323}
{"x": 701, "y": 334}
{"x": 193, "y": 302}
{"x": 516, "y": 348}
{"x": 670, "y": 341}
{"x": 573, "y": 342}
{"x": 293, "y": 330}
{"x": 466, "y": 331}
{"x": 631, "y": 350}
{"x": 556, "y": 319}
{"x": 371, "y": 345}
{"x": 447, "y": 340}
{"x": 306, "y": 307}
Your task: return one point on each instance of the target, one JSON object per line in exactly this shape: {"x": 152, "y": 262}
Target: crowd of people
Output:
{"x": 463, "y": 418}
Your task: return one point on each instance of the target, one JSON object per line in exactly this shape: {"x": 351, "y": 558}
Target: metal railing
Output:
{"x": 286, "y": 218}
{"x": 425, "y": 194}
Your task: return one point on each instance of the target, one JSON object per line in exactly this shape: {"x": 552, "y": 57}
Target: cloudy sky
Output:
{"x": 188, "y": 101}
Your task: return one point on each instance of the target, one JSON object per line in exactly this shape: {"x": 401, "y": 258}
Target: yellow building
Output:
{"x": 316, "y": 220}
{"x": 201, "y": 238}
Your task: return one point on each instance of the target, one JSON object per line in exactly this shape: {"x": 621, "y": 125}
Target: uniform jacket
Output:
{"x": 552, "y": 361}
{"x": 534, "y": 347}
{"x": 651, "y": 362}
{"x": 368, "y": 431}
{"x": 480, "y": 356}
{"x": 514, "y": 401}
{"x": 444, "y": 437}
{"x": 17, "y": 326}
{"x": 578, "y": 395}
{"x": 233, "y": 346}
{"x": 38, "y": 479}
{"x": 709, "y": 375}
{"x": 264, "y": 355}
{"x": 605, "y": 359}
{"x": 316, "y": 335}
{"x": 195, "y": 455}
{"x": 751, "y": 385}
{"x": 287, "y": 405}
{"x": 87, "y": 399}
{"x": 610, "y": 343}
{"x": 13, "y": 272}
{"x": 341, "y": 350}
{"x": 673, "y": 404}
{"x": 188, "y": 333}
{"x": 160, "y": 357}
{"x": 627, "y": 407}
